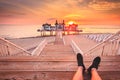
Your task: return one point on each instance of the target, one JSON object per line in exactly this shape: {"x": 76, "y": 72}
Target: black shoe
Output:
{"x": 95, "y": 64}
{"x": 80, "y": 61}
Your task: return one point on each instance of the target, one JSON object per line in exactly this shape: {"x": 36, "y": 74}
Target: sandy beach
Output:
{"x": 31, "y": 43}
{"x": 28, "y": 44}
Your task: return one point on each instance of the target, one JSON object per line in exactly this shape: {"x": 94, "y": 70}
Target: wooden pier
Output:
{"x": 56, "y": 61}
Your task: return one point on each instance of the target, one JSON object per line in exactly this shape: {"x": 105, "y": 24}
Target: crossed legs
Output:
{"x": 92, "y": 70}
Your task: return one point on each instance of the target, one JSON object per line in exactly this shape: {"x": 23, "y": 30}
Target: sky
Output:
{"x": 48, "y": 11}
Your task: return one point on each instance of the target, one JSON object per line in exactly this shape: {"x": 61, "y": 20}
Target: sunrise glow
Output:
{"x": 20, "y": 18}
{"x": 81, "y": 11}
{"x": 71, "y": 22}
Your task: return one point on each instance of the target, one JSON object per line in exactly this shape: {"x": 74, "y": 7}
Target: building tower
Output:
{"x": 56, "y": 24}
{"x": 63, "y": 25}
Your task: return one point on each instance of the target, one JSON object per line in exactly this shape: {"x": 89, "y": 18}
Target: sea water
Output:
{"x": 20, "y": 31}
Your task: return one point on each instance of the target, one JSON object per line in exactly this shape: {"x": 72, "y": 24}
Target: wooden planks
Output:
{"x": 55, "y": 75}
{"x": 55, "y": 63}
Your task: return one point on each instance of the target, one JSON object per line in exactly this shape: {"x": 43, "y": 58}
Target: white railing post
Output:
{"x": 118, "y": 51}
{"x": 76, "y": 48}
{"x": 64, "y": 40}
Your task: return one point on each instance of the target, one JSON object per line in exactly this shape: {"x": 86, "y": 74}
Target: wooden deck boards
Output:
{"x": 56, "y": 62}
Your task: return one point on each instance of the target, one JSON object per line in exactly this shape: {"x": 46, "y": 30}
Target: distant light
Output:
{"x": 71, "y": 22}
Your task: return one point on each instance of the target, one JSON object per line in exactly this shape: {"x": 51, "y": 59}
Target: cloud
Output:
{"x": 49, "y": 10}
{"x": 78, "y": 2}
{"x": 105, "y": 4}
{"x": 21, "y": 6}
{"x": 108, "y": 0}
{"x": 16, "y": 15}
{"x": 50, "y": 19}
{"x": 10, "y": 10}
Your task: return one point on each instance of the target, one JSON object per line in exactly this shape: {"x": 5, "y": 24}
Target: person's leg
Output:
{"x": 92, "y": 70}
{"x": 79, "y": 74}
{"x": 81, "y": 68}
{"x": 95, "y": 75}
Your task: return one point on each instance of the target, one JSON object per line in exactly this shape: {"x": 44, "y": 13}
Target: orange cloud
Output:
{"x": 42, "y": 11}
{"x": 104, "y": 5}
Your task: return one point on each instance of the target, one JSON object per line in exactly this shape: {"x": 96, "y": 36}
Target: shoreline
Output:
{"x": 11, "y": 38}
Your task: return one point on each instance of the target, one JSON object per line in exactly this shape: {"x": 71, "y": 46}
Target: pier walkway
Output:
{"x": 57, "y": 56}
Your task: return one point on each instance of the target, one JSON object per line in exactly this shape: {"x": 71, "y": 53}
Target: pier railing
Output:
{"x": 111, "y": 46}
{"x": 9, "y": 49}
{"x": 99, "y": 37}
{"x": 40, "y": 47}
{"x": 75, "y": 47}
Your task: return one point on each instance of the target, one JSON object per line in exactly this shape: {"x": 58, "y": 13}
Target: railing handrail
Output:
{"x": 76, "y": 48}
{"x": 40, "y": 47}
{"x": 102, "y": 43}
{"x": 8, "y": 42}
